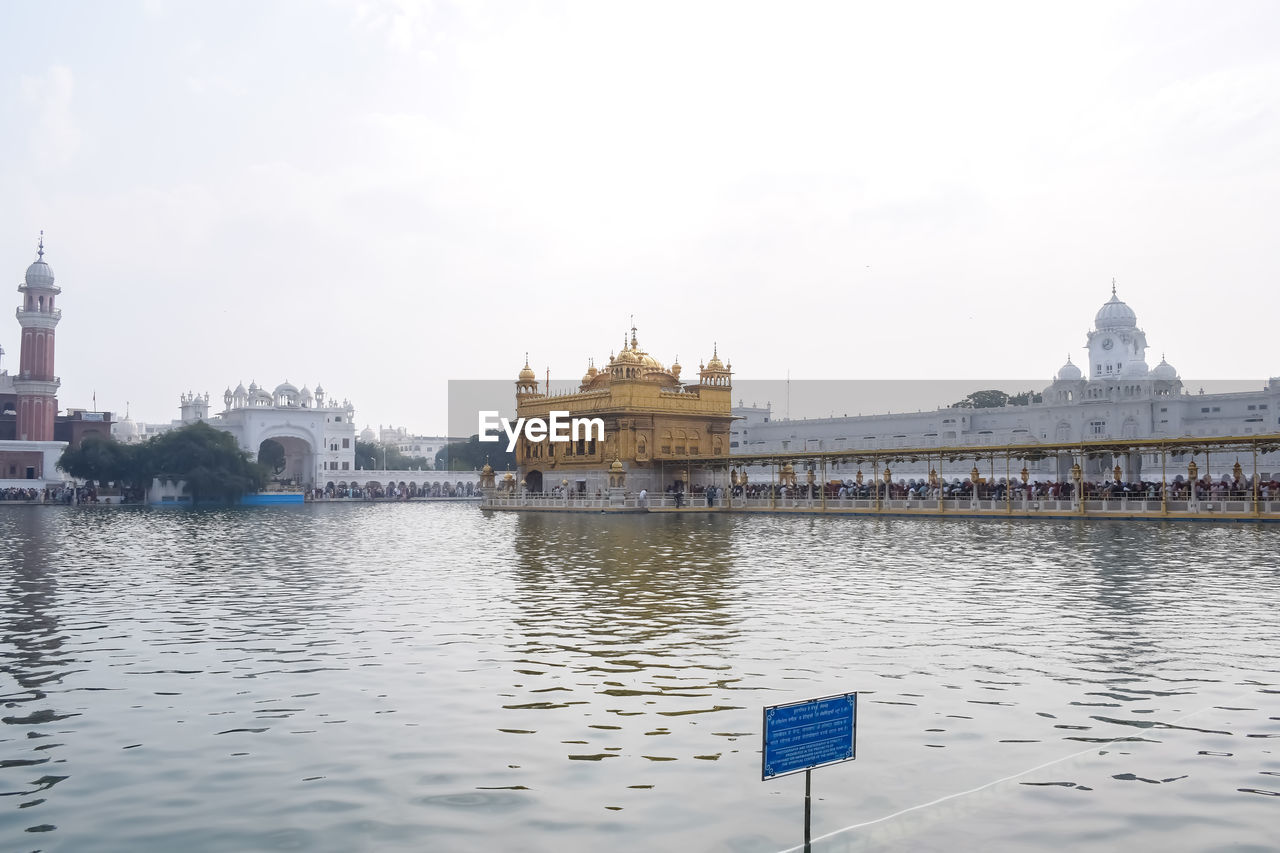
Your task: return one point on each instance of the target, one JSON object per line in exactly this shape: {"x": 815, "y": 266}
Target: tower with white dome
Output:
{"x": 1117, "y": 347}
{"x": 35, "y": 385}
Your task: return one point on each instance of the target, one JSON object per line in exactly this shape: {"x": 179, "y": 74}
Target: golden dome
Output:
{"x": 487, "y": 469}
{"x": 715, "y": 363}
{"x": 616, "y": 467}
{"x": 527, "y": 374}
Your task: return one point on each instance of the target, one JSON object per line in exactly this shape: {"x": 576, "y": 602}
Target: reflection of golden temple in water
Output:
{"x": 654, "y": 424}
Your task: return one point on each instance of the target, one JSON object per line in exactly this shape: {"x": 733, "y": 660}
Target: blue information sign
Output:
{"x": 804, "y": 735}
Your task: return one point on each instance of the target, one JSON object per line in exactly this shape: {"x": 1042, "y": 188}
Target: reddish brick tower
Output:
{"x": 35, "y": 384}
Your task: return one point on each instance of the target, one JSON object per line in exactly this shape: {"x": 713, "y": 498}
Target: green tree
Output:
{"x": 376, "y": 456}
{"x": 208, "y": 460}
{"x": 368, "y": 455}
{"x": 101, "y": 460}
{"x": 993, "y": 399}
{"x": 472, "y": 454}
{"x": 989, "y": 399}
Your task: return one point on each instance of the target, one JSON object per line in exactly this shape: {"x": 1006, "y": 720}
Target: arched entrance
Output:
{"x": 533, "y": 481}
{"x": 288, "y": 459}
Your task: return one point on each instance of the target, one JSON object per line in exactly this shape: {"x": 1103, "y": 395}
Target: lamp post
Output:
{"x": 1077, "y": 479}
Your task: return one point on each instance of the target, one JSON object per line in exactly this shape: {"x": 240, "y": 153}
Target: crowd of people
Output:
{"x": 1206, "y": 489}
{"x": 13, "y": 494}
{"x": 960, "y": 490}
{"x": 392, "y": 491}
{"x": 70, "y": 495}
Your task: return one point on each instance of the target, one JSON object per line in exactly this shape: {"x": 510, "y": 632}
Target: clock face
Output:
{"x": 1107, "y": 343}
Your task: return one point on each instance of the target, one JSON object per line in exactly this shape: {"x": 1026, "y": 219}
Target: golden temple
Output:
{"x": 654, "y": 424}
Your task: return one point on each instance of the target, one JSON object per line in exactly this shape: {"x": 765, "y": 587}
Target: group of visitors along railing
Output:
{"x": 1019, "y": 505}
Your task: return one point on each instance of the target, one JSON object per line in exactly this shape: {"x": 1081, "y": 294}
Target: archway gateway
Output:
{"x": 288, "y": 458}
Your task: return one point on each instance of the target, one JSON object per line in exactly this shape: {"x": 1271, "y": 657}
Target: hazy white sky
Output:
{"x": 381, "y": 195}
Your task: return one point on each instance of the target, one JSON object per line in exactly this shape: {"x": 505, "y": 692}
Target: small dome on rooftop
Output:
{"x": 526, "y": 372}
{"x": 39, "y": 274}
{"x": 1163, "y": 370}
{"x": 1069, "y": 371}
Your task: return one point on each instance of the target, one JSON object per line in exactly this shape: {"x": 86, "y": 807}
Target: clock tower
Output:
{"x": 1117, "y": 347}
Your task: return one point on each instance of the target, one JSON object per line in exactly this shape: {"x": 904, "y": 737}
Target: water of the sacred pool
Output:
{"x": 423, "y": 676}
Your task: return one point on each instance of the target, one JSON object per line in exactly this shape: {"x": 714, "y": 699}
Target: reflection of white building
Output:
{"x": 318, "y": 437}
{"x": 1114, "y": 395}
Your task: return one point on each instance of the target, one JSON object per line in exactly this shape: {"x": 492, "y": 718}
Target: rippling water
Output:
{"x": 361, "y": 677}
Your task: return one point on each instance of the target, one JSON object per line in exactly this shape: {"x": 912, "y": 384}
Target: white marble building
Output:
{"x": 1115, "y": 395}
{"x": 318, "y": 436}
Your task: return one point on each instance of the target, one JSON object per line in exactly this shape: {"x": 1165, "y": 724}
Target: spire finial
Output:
{"x": 1068, "y": 358}
{"x": 40, "y": 247}
{"x": 715, "y": 350}
{"x": 526, "y": 358}
{"x": 1113, "y": 287}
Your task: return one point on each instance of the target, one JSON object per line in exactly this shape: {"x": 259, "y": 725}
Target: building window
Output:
{"x": 346, "y": 443}
{"x": 338, "y": 419}
{"x": 346, "y": 466}
{"x": 1098, "y": 427}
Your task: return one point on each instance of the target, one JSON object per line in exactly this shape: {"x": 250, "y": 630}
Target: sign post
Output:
{"x": 804, "y": 735}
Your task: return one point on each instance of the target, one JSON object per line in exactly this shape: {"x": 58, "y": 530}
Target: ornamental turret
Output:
{"x": 527, "y": 381}
{"x": 35, "y": 384}
{"x": 715, "y": 371}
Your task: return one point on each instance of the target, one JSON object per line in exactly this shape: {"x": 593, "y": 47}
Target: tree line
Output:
{"x": 208, "y": 460}
{"x": 472, "y": 454}
{"x": 993, "y": 399}
{"x": 371, "y": 456}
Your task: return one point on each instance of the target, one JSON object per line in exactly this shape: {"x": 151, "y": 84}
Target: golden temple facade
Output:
{"x": 654, "y": 424}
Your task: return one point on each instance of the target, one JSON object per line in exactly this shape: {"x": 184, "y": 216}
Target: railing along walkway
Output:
{"x": 1233, "y": 507}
